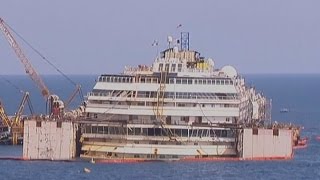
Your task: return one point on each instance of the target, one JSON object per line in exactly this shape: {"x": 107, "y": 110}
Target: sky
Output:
{"x": 99, "y": 36}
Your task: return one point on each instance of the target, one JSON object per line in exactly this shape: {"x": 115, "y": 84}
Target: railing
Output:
{"x": 168, "y": 96}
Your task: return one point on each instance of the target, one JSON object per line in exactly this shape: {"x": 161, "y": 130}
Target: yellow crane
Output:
{"x": 15, "y": 124}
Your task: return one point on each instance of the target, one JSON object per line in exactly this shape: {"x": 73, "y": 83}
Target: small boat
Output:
{"x": 284, "y": 110}
{"x": 302, "y": 143}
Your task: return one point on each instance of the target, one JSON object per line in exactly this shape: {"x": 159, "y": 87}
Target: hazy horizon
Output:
{"x": 101, "y": 37}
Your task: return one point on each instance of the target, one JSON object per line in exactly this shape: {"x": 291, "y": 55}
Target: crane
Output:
{"x": 55, "y": 106}
{"x": 5, "y": 120}
{"x": 27, "y": 65}
{"x": 15, "y": 127}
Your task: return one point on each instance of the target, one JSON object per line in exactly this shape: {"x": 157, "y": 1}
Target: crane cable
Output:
{"x": 20, "y": 90}
{"x": 45, "y": 59}
{"x": 13, "y": 85}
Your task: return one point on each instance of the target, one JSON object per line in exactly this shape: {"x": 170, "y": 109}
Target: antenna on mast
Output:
{"x": 184, "y": 41}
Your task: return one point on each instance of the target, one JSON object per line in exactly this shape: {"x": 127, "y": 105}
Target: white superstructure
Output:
{"x": 181, "y": 106}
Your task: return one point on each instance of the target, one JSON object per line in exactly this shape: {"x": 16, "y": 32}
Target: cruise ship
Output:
{"x": 181, "y": 106}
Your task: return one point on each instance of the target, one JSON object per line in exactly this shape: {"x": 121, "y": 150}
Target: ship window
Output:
{"x": 166, "y": 68}
{"x": 218, "y": 82}
{"x": 105, "y": 130}
{"x": 95, "y": 115}
{"x": 142, "y": 80}
{"x": 100, "y": 130}
{"x": 150, "y": 131}
{"x": 212, "y": 133}
{"x": 209, "y": 81}
{"x": 196, "y": 81}
{"x": 222, "y": 82}
{"x": 157, "y": 132}
{"x": 189, "y": 81}
{"x": 154, "y": 80}
{"x": 184, "y": 81}
{"x": 218, "y": 133}
{"x": 184, "y": 133}
{"x": 185, "y": 96}
{"x": 204, "y": 133}
{"x": 276, "y": 132}
{"x": 255, "y": 131}
{"x": 171, "y": 81}
{"x": 137, "y": 131}
{"x": 111, "y": 130}
{"x": 227, "y": 82}
{"x": 144, "y": 131}
{"x": 204, "y": 81}
{"x": 200, "y": 81}
{"x": 160, "y": 67}
{"x": 130, "y": 131}
{"x": 213, "y": 81}
{"x": 194, "y": 133}
{"x": 177, "y": 132}
{"x": 148, "y": 94}
{"x": 230, "y": 134}
{"x": 117, "y": 130}
{"x": 174, "y": 156}
{"x": 173, "y": 67}
{"x": 178, "y": 81}
{"x": 179, "y": 67}
{"x": 148, "y": 80}
{"x": 231, "y": 82}
{"x": 88, "y": 129}
{"x": 94, "y": 129}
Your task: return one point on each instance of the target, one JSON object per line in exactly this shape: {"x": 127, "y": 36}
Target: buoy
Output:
{"x": 86, "y": 170}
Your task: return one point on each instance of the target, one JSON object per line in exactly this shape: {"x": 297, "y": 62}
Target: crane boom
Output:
{"x": 5, "y": 119}
{"x": 27, "y": 65}
{"x": 55, "y": 106}
{"x": 26, "y": 99}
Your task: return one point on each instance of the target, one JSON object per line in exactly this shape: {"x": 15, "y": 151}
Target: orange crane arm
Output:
{"x": 28, "y": 67}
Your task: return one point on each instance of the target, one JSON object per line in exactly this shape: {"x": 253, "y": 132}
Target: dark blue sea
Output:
{"x": 299, "y": 93}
